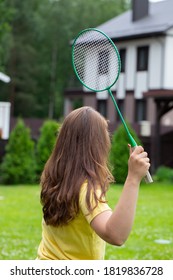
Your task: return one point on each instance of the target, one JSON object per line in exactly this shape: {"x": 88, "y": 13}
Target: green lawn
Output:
{"x": 154, "y": 221}
{"x": 20, "y": 223}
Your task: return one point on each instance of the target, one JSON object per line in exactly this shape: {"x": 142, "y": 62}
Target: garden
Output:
{"x": 151, "y": 237}
{"x": 21, "y": 214}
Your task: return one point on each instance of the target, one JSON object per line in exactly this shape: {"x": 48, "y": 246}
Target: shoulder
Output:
{"x": 98, "y": 208}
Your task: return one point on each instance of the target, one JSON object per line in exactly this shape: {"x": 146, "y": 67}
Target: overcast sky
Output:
{"x": 156, "y": 0}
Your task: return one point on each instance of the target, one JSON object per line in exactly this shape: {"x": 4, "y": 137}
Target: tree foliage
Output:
{"x": 39, "y": 53}
{"x": 119, "y": 153}
{"x": 18, "y": 164}
{"x": 6, "y": 14}
{"x": 46, "y": 142}
{"x": 164, "y": 174}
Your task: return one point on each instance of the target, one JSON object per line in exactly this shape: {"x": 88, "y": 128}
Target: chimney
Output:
{"x": 140, "y": 9}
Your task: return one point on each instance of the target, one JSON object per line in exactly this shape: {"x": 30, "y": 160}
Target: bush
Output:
{"x": 18, "y": 165}
{"x": 119, "y": 153}
{"x": 164, "y": 174}
{"x": 45, "y": 144}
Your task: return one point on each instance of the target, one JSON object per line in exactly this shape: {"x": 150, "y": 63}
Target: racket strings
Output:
{"x": 96, "y": 60}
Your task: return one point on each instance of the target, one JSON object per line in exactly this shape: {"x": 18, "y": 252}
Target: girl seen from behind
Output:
{"x": 76, "y": 217}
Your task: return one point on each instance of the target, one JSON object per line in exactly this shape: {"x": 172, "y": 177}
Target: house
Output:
{"x": 144, "y": 91}
{"x": 4, "y": 112}
{"x": 7, "y": 123}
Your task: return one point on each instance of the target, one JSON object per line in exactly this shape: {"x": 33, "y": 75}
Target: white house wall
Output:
{"x": 156, "y": 56}
{"x": 130, "y": 66}
{"x": 91, "y": 76}
{"x": 121, "y": 86}
{"x": 158, "y": 76}
{"x": 102, "y": 95}
{"x": 151, "y": 79}
{"x": 91, "y": 66}
{"x": 5, "y": 119}
{"x": 141, "y": 84}
{"x": 168, "y": 77}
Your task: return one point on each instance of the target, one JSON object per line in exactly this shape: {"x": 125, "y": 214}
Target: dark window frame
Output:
{"x": 122, "y": 53}
{"x": 103, "y": 62}
{"x": 140, "y": 110}
{"x": 100, "y": 109}
{"x": 142, "y": 58}
{"x": 121, "y": 106}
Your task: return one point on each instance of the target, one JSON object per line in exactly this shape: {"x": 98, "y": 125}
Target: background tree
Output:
{"x": 6, "y": 14}
{"x": 119, "y": 153}
{"x": 39, "y": 60}
{"x": 45, "y": 144}
{"x": 21, "y": 64}
{"x": 18, "y": 165}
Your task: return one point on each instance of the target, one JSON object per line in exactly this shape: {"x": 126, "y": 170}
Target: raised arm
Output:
{"x": 114, "y": 227}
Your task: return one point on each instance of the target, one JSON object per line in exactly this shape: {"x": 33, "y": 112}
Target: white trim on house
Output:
{"x": 4, "y": 120}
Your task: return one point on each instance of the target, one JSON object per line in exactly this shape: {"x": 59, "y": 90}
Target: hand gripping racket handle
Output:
{"x": 147, "y": 178}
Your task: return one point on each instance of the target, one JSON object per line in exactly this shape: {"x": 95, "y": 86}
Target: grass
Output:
{"x": 153, "y": 221}
{"x": 20, "y": 223}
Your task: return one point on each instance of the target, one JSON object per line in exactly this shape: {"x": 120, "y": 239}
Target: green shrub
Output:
{"x": 119, "y": 153}
{"x": 164, "y": 174}
{"x": 18, "y": 165}
{"x": 45, "y": 144}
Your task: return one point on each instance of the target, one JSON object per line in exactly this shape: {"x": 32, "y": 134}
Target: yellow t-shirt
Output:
{"x": 76, "y": 240}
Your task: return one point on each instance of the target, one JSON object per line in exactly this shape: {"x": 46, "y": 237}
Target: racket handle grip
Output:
{"x": 148, "y": 178}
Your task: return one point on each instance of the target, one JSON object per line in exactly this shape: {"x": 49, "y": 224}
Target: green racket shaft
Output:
{"x": 147, "y": 178}
{"x": 93, "y": 45}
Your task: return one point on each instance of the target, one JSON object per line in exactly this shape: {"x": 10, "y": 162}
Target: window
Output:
{"x": 142, "y": 58}
{"x": 103, "y": 66}
{"x": 122, "y": 53}
{"x": 140, "y": 110}
{"x": 102, "y": 107}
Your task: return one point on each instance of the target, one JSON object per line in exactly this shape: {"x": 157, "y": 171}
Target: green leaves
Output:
{"x": 46, "y": 142}
{"x": 119, "y": 153}
{"x": 36, "y": 53}
{"x": 24, "y": 160}
{"x": 18, "y": 165}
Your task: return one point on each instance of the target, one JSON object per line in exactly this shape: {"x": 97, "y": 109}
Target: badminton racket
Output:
{"x": 97, "y": 65}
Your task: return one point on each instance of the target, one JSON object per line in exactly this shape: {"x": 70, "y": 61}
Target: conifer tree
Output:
{"x": 119, "y": 153}
{"x": 45, "y": 144}
{"x": 18, "y": 165}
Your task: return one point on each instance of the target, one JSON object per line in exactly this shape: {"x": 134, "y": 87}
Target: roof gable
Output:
{"x": 159, "y": 20}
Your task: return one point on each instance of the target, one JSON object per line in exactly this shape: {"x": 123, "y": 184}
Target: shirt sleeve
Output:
{"x": 101, "y": 207}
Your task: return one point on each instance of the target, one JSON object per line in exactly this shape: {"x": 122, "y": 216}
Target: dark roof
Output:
{"x": 164, "y": 94}
{"x": 158, "y": 21}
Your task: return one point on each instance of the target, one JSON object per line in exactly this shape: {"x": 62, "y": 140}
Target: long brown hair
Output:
{"x": 80, "y": 153}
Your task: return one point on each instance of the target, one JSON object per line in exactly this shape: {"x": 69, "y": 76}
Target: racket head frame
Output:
{"x": 116, "y": 51}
